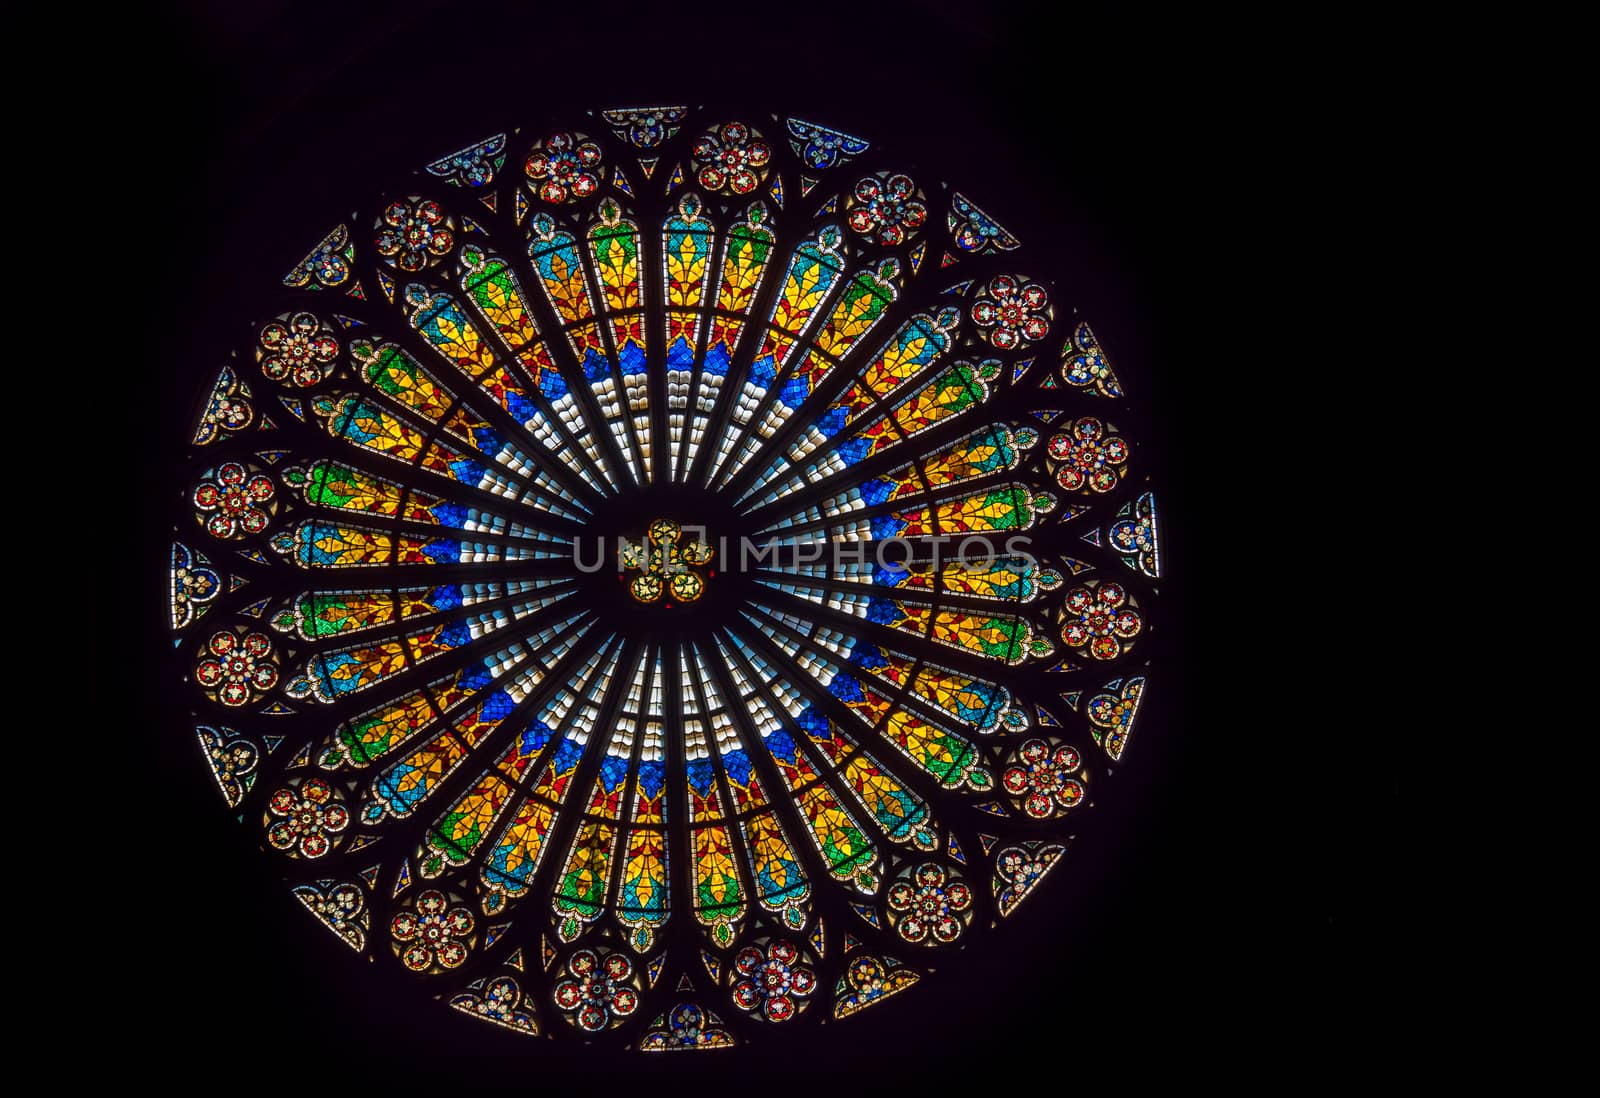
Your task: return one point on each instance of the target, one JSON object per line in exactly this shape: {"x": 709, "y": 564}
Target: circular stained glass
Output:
{"x": 665, "y": 581}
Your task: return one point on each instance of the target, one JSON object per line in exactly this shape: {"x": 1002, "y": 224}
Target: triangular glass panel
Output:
{"x": 975, "y": 231}
{"x": 195, "y": 584}
{"x": 1112, "y": 713}
{"x": 473, "y": 166}
{"x": 645, "y": 127}
{"x": 1136, "y": 535}
{"x": 1020, "y": 870}
{"x": 228, "y": 411}
{"x": 323, "y": 901}
{"x": 325, "y": 266}
{"x": 822, "y": 147}
{"x": 232, "y": 758}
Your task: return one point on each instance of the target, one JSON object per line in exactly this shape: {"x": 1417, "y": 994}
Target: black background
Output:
{"x": 1203, "y": 925}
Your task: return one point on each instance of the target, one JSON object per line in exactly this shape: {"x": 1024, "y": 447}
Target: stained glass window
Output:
{"x": 666, "y": 580}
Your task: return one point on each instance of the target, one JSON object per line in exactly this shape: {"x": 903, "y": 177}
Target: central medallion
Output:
{"x": 665, "y": 560}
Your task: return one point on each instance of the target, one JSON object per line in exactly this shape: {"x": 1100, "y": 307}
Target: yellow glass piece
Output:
{"x": 342, "y": 546}
{"x": 777, "y": 871}
{"x": 492, "y": 286}
{"x": 456, "y": 338}
{"x": 614, "y": 247}
{"x": 965, "y": 463}
{"x": 749, "y": 248}
{"x": 952, "y": 393}
{"x": 365, "y": 666}
{"x": 360, "y": 423}
{"x": 364, "y": 739}
{"x": 340, "y": 486}
{"x": 582, "y": 885}
{"x": 556, "y": 260}
{"x": 515, "y": 858}
{"x": 420, "y": 774}
{"x": 882, "y": 795}
{"x": 913, "y": 348}
{"x": 642, "y": 893}
{"x": 686, "y": 250}
{"x": 838, "y": 839}
{"x": 858, "y": 310}
{"x": 396, "y": 374}
{"x": 716, "y": 876}
{"x": 456, "y": 835}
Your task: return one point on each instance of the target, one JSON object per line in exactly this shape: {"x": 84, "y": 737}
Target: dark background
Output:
{"x": 1202, "y": 923}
